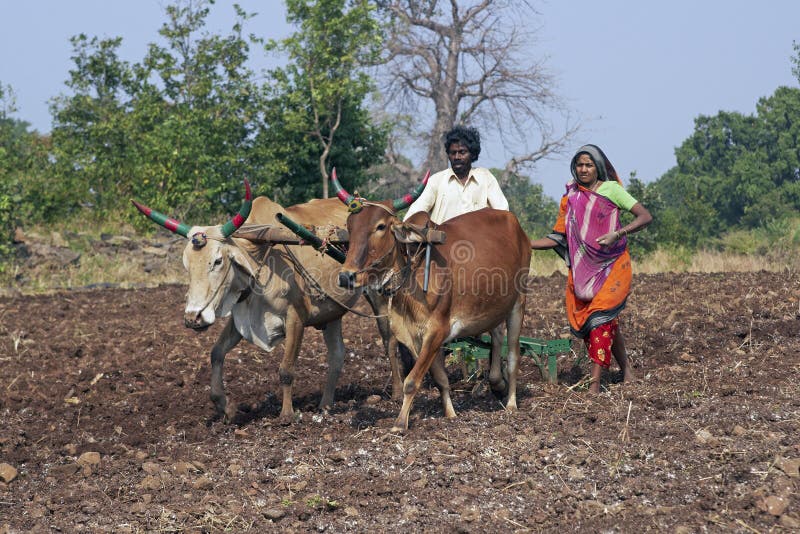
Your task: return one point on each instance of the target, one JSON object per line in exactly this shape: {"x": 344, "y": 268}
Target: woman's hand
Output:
{"x": 608, "y": 239}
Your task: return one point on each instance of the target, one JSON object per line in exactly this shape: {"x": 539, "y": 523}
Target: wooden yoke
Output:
{"x": 428, "y": 234}
{"x": 267, "y": 233}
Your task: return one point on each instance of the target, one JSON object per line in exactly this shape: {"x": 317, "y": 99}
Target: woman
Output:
{"x": 589, "y": 236}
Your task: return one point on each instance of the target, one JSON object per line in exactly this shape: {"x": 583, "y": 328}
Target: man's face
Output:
{"x": 460, "y": 157}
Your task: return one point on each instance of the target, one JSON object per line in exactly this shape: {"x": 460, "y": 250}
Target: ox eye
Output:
{"x": 380, "y": 228}
{"x": 218, "y": 262}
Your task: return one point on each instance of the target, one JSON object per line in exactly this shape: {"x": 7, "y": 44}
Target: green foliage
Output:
{"x": 734, "y": 172}
{"x": 646, "y": 240}
{"x": 182, "y": 128}
{"x": 175, "y": 130}
{"x": 536, "y": 211}
{"x": 315, "y": 112}
{"x": 22, "y": 156}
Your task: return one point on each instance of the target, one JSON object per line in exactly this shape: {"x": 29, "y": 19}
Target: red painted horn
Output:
{"x": 229, "y": 227}
{"x": 407, "y": 199}
{"x": 183, "y": 229}
{"x": 398, "y": 203}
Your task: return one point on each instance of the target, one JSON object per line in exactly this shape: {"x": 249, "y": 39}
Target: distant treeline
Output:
{"x": 182, "y": 128}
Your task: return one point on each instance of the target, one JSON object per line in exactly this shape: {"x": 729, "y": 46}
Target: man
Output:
{"x": 461, "y": 188}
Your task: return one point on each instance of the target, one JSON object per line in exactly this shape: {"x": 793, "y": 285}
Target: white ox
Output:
{"x": 271, "y": 292}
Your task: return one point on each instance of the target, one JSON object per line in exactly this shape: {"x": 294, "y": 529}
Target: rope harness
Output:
{"x": 396, "y": 277}
{"x": 200, "y": 243}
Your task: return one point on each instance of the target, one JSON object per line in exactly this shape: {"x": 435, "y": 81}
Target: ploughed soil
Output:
{"x": 106, "y": 424}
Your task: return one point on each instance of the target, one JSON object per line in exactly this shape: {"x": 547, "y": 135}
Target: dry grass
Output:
{"x": 126, "y": 268}
{"x": 664, "y": 261}
{"x": 97, "y": 269}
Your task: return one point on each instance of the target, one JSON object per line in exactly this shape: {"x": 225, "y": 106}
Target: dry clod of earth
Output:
{"x": 106, "y": 404}
{"x": 7, "y": 473}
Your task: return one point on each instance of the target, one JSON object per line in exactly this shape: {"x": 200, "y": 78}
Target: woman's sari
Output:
{"x": 599, "y": 278}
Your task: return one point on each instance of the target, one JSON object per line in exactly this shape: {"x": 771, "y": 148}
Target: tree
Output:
{"x": 318, "y": 96}
{"x": 174, "y": 130}
{"x": 23, "y": 154}
{"x": 536, "y": 211}
{"x": 91, "y": 148}
{"x": 733, "y": 172}
{"x": 470, "y": 63}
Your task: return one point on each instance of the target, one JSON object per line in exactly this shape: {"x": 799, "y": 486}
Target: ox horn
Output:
{"x": 229, "y": 227}
{"x": 180, "y": 228}
{"x": 398, "y": 204}
{"x": 352, "y": 203}
{"x": 407, "y": 199}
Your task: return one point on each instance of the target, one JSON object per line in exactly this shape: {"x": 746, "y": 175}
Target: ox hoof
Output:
{"x": 500, "y": 390}
{"x": 399, "y": 427}
{"x": 229, "y": 414}
{"x": 286, "y": 419}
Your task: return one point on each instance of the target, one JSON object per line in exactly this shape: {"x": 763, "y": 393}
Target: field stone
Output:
{"x": 7, "y": 473}
{"x": 150, "y": 482}
{"x": 183, "y": 468}
{"x": 151, "y": 468}
{"x": 351, "y": 511}
{"x": 704, "y": 437}
{"x": 274, "y": 513}
{"x": 789, "y": 466}
{"x": 738, "y": 431}
{"x": 64, "y": 470}
{"x": 790, "y": 522}
{"x": 774, "y": 505}
{"x": 203, "y": 483}
{"x": 470, "y": 514}
{"x": 90, "y": 458}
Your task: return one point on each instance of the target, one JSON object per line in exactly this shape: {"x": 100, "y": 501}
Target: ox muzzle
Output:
{"x": 195, "y": 321}
{"x": 347, "y": 279}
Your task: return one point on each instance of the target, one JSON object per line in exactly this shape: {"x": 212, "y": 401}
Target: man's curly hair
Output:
{"x": 467, "y": 136}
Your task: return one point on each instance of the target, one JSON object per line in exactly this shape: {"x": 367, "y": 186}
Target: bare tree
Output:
{"x": 471, "y": 62}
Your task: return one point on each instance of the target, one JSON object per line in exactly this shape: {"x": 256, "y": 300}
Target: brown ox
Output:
{"x": 477, "y": 280}
{"x": 271, "y": 293}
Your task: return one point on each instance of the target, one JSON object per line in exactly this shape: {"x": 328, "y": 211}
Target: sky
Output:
{"x": 635, "y": 73}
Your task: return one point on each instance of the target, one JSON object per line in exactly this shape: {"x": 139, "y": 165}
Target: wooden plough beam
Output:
{"x": 297, "y": 234}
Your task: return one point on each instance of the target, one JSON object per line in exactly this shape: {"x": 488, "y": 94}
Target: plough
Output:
{"x": 467, "y": 350}
{"x": 544, "y": 353}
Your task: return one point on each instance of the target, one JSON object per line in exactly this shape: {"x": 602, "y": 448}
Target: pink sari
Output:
{"x": 590, "y": 216}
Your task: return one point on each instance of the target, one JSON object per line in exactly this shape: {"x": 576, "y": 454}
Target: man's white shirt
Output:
{"x": 444, "y": 197}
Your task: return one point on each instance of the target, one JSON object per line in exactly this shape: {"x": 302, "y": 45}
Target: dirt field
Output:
{"x": 106, "y": 424}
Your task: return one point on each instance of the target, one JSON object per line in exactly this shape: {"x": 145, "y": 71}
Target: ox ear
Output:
{"x": 239, "y": 257}
{"x": 409, "y": 233}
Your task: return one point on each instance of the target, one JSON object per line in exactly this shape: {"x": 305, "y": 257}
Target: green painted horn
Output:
{"x": 183, "y": 229}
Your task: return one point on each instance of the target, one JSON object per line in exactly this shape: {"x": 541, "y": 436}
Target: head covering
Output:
{"x": 605, "y": 170}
